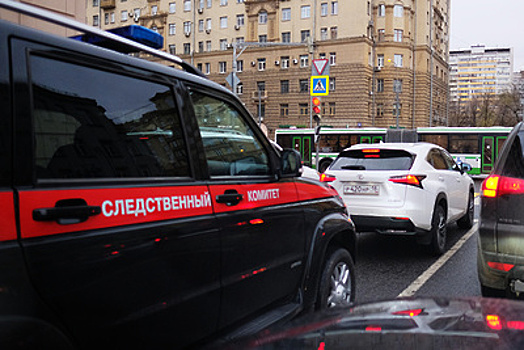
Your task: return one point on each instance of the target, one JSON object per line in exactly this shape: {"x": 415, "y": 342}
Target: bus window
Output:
{"x": 378, "y": 139}
{"x": 365, "y": 139}
{"x": 500, "y": 143}
{"x": 441, "y": 140}
{"x": 285, "y": 141}
{"x": 463, "y": 143}
{"x": 344, "y": 142}
{"x": 329, "y": 143}
{"x": 487, "y": 154}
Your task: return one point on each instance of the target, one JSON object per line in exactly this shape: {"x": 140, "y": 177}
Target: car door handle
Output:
{"x": 67, "y": 211}
{"x": 440, "y": 178}
{"x": 230, "y": 197}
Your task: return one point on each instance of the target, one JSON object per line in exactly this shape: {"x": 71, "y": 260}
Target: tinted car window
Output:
{"x": 96, "y": 124}
{"x": 514, "y": 165}
{"x": 373, "y": 160}
{"x": 436, "y": 160}
{"x": 230, "y": 145}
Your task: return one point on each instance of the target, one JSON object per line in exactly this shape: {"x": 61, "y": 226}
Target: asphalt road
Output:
{"x": 386, "y": 266}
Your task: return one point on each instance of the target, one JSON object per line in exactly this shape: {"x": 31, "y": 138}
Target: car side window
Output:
{"x": 93, "y": 124}
{"x": 231, "y": 147}
{"x": 436, "y": 160}
{"x": 450, "y": 162}
{"x": 514, "y": 163}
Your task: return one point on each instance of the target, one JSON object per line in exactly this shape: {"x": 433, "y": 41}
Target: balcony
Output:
{"x": 107, "y": 4}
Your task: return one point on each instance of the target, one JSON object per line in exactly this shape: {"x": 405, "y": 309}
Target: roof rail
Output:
{"x": 54, "y": 18}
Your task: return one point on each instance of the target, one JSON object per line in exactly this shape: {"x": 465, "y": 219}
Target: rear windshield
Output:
{"x": 373, "y": 159}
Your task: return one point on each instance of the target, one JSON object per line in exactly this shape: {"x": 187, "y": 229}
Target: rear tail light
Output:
{"x": 500, "y": 266}
{"x": 410, "y": 312}
{"x": 497, "y": 323}
{"x": 327, "y": 178}
{"x": 496, "y": 186}
{"x": 412, "y": 180}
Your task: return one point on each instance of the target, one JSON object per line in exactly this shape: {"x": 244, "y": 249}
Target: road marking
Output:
{"x": 422, "y": 279}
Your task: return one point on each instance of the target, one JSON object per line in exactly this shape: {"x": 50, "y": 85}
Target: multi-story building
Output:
{"x": 382, "y": 53}
{"x": 518, "y": 83}
{"x": 479, "y": 71}
{"x": 74, "y": 9}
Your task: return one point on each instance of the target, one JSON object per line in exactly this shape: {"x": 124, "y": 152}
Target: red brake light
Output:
{"x": 327, "y": 178}
{"x": 373, "y": 329}
{"x": 413, "y": 180}
{"x": 412, "y": 312}
{"x": 496, "y": 185}
{"x": 371, "y": 150}
{"x": 500, "y": 266}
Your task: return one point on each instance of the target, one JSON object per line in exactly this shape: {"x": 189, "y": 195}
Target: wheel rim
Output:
{"x": 441, "y": 232}
{"x": 340, "y": 293}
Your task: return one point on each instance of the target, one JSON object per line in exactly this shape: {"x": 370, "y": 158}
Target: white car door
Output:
{"x": 460, "y": 186}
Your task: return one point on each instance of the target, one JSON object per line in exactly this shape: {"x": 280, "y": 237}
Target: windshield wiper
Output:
{"x": 353, "y": 167}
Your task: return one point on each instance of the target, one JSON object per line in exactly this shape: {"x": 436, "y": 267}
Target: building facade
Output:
{"x": 387, "y": 58}
{"x": 479, "y": 71}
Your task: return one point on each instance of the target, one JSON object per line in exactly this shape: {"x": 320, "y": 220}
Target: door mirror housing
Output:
{"x": 290, "y": 163}
{"x": 465, "y": 167}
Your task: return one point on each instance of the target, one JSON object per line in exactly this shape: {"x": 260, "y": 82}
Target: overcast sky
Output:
{"x": 495, "y": 23}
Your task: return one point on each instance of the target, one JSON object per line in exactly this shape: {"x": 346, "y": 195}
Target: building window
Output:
{"x": 286, "y": 14}
{"x": 172, "y": 28}
{"x": 380, "y": 61}
{"x": 381, "y": 34}
{"x": 187, "y": 48}
{"x": 380, "y": 110}
{"x": 261, "y": 64}
{"x": 240, "y": 89}
{"x": 334, "y": 32}
{"x": 305, "y": 11}
{"x": 208, "y": 24}
{"x": 208, "y": 45}
{"x": 303, "y": 109}
{"x": 240, "y": 66}
{"x": 172, "y": 7}
{"x": 261, "y": 86}
{"x": 96, "y": 22}
{"x": 398, "y": 35}
{"x": 187, "y": 5}
{"x": 286, "y": 37}
{"x": 322, "y": 55}
{"x": 398, "y": 11}
{"x": 200, "y": 5}
{"x": 398, "y": 60}
{"x": 106, "y": 18}
{"x": 223, "y": 2}
{"x": 208, "y": 68}
{"x": 303, "y": 85}
{"x": 332, "y": 109}
{"x": 262, "y": 38}
{"x": 200, "y": 46}
{"x": 304, "y": 61}
{"x": 136, "y": 13}
{"x": 397, "y": 85}
{"x": 154, "y": 10}
{"x": 381, "y": 10}
{"x": 199, "y": 66}
{"x": 262, "y": 17}
{"x": 223, "y": 22}
{"x": 304, "y": 34}
{"x": 334, "y": 7}
{"x": 332, "y": 84}
{"x": 380, "y": 85}
{"x": 240, "y": 20}
{"x": 123, "y": 16}
{"x": 95, "y": 3}
{"x": 284, "y": 62}
{"x": 323, "y": 33}
{"x": 112, "y": 17}
{"x": 284, "y": 86}
{"x": 284, "y": 110}
{"x": 187, "y": 27}
{"x": 324, "y": 9}
{"x": 240, "y": 39}
{"x": 332, "y": 58}
{"x": 223, "y": 44}
{"x": 222, "y": 67}
{"x": 209, "y": 3}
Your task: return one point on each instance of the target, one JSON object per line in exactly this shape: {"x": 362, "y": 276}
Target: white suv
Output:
{"x": 404, "y": 189}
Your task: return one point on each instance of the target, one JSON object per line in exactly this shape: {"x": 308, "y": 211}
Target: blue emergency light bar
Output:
{"x": 133, "y": 32}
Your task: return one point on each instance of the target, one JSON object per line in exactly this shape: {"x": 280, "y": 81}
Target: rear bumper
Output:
{"x": 511, "y": 281}
{"x": 384, "y": 225}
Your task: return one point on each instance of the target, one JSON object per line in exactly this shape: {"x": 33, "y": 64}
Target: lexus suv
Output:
{"x": 501, "y": 224}
{"x": 404, "y": 189}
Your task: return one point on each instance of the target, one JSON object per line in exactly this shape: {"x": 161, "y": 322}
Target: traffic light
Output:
{"x": 316, "y": 105}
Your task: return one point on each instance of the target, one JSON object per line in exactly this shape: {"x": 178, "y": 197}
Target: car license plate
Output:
{"x": 362, "y": 189}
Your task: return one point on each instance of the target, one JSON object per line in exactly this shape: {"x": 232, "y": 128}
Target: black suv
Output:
{"x": 144, "y": 208}
{"x": 501, "y": 227}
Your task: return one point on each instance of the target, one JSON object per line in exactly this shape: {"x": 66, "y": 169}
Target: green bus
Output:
{"x": 478, "y": 146}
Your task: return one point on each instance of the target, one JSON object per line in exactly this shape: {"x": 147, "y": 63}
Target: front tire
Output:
{"x": 467, "y": 220}
{"x": 337, "y": 283}
{"x": 438, "y": 231}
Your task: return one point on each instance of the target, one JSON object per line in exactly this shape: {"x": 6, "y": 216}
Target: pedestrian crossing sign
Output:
{"x": 319, "y": 85}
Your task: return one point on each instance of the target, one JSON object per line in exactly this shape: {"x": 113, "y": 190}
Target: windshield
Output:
{"x": 373, "y": 159}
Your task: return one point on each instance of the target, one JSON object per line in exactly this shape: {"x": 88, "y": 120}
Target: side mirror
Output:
{"x": 290, "y": 163}
{"x": 465, "y": 167}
